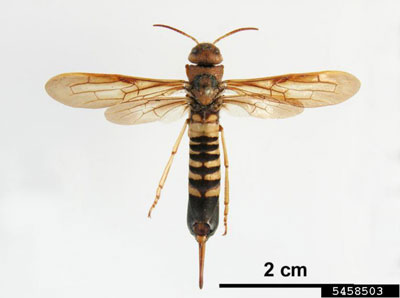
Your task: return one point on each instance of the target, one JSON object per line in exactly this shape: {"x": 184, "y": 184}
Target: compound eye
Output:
{"x": 195, "y": 51}
{"x": 217, "y": 51}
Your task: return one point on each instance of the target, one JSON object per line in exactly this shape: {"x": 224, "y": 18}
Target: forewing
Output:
{"x": 130, "y": 100}
{"x": 239, "y": 105}
{"x": 147, "y": 110}
{"x": 306, "y": 90}
{"x": 89, "y": 90}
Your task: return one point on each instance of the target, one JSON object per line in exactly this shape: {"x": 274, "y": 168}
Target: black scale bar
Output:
{"x": 334, "y": 290}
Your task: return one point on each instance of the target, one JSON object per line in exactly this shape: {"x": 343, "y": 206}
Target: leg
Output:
{"x": 168, "y": 166}
{"x": 226, "y": 188}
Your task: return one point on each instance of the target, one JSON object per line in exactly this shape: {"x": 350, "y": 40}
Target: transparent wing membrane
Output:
{"x": 147, "y": 110}
{"x": 238, "y": 105}
{"x": 305, "y": 90}
{"x": 131, "y": 100}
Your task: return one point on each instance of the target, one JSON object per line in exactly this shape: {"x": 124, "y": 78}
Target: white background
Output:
{"x": 321, "y": 189}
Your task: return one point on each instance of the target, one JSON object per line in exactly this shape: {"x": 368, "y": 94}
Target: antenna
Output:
{"x": 233, "y": 32}
{"x": 176, "y": 30}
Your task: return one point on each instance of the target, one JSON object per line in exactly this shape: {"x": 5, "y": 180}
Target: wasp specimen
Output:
{"x": 135, "y": 100}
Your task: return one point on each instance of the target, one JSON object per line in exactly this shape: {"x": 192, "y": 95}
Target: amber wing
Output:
{"x": 287, "y": 95}
{"x": 130, "y": 100}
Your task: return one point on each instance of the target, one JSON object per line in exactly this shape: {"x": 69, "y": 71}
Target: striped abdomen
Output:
{"x": 204, "y": 173}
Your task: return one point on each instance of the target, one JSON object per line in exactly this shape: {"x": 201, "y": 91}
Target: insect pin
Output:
{"x": 134, "y": 100}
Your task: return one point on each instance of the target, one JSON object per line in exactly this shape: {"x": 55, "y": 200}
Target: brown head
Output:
{"x": 205, "y": 54}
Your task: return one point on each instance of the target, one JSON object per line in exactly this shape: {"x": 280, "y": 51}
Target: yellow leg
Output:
{"x": 226, "y": 188}
{"x": 168, "y": 166}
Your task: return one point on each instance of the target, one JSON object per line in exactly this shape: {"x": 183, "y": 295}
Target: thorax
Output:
{"x": 204, "y": 89}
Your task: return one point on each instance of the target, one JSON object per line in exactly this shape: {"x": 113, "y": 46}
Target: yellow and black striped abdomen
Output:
{"x": 204, "y": 163}
{"x": 204, "y": 172}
